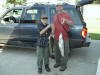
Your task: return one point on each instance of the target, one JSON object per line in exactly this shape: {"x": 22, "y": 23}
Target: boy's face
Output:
{"x": 44, "y": 20}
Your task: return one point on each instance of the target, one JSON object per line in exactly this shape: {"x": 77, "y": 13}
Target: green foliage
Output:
{"x": 16, "y": 1}
{"x": 95, "y": 36}
{"x": 78, "y": 0}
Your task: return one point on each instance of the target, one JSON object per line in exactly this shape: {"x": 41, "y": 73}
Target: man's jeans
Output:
{"x": 61, "y": 60}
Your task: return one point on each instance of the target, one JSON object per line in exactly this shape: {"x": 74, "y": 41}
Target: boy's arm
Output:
{"x": 44, "y": 30}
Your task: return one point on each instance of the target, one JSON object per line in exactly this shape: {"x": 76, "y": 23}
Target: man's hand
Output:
{"x": 67, "y": 21}
{"x": 63, "y": 20}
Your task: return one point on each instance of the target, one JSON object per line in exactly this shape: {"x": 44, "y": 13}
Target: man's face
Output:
{"x": 59, "y": 8}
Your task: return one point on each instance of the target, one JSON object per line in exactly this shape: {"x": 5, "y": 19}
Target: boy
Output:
{"x": 42, "y": 47}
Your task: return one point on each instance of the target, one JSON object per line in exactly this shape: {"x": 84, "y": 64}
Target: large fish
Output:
{"x": 61, "y": 44}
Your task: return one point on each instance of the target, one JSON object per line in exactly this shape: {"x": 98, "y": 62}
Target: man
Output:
{"x": 62, "y": 20}
{"x": 42, "y": 44}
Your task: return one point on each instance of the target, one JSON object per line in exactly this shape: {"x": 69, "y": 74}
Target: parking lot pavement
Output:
{"x": 18, "y": 61}
{"x": 98, "y": 68}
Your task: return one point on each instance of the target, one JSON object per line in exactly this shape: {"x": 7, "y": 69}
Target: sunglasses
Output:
{"x": 45, "y": 18}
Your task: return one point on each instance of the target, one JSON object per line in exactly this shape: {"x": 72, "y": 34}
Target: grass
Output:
{"x": 93, "y": 25}
{"x": 95, "y": 36}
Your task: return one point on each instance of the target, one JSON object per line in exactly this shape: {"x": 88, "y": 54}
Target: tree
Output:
{"x": 15, "y": 2}
{"x": 78, "y": 0}
{"x": 97, "y": 1}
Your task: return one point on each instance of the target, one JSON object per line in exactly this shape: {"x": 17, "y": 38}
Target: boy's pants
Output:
{"x": 42, "y": 55}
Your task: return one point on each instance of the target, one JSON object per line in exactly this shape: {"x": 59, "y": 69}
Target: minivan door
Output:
{"x": 29, "y": 31}
{"x": 9, "y": 26}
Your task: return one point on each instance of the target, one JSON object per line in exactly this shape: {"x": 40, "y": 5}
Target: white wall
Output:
{"x": 91, "y": 11}
{"x": 1, "y": 8}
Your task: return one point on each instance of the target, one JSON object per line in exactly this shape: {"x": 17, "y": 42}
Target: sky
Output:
{"x": 52, "y": 1}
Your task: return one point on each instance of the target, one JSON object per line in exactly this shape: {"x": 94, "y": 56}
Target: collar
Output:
{"x": 43, "y": 24}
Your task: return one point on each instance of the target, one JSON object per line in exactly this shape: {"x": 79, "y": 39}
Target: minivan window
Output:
{"x": 33, "y": 15}
{"x": 12, "y": 16}
{"x": 72, "y": 12}
{"x": 52, "y": 13}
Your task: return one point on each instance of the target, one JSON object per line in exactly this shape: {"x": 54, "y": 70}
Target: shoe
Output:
{"x": 47, "y": 68}
{"x": 63, "y": 68}
{"x": 39, "y": 70}
{"x": 52, "y": 56}
{"x": 56, "y": 65}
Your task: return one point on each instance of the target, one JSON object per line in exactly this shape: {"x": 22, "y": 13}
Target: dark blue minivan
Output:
{"x": 18, "y": 25}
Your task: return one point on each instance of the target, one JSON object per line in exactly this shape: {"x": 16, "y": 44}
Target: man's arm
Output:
{"x": 67, "y": 20}
{"x": 52, "y": 27}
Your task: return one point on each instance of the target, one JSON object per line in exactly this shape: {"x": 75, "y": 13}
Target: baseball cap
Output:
{"x": 59, "y": 3}
{"x": 44, "y": 16}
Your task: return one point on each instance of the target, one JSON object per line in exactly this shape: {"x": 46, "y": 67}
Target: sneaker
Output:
{"x": 52, "y": 56}
{"x": 56, "y": 65}
{"x": 39, "y": 70}
{"x": 47, "y": 68}
{"x": 63, "y": 68}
